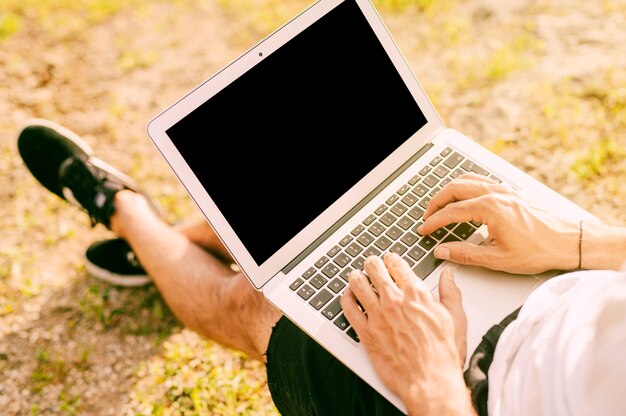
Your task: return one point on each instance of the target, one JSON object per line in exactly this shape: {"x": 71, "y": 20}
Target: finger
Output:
{"x": 359, "y": 284}
{"x": 379, "y": 276}
{"x": 467, "y": 186}
{"x": 451, "y": 298}
{"x": 475, "y": 209}
{"x": 355, "y": 316}
{"x": 400, "y": 271}
{"x": 449, "y": 293}
{"x": 468, "y": 253}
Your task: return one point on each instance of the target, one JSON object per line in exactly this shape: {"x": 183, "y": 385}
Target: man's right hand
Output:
{"x": 522, "y": 238}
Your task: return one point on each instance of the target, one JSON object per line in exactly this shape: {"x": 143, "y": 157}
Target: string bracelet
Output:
{"x": 580, "y": 244}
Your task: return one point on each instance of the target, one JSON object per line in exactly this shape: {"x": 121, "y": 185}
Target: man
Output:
{"x": 415, "y": 342}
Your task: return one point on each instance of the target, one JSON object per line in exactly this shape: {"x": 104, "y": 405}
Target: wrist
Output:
{"x": 563, "y": 250}
{"x": 602, "y": 246}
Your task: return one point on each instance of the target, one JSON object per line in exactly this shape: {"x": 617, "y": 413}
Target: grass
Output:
{"x": 59, "y": 14}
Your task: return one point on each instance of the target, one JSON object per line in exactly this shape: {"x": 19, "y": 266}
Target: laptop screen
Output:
{"x": 285, "y": 140}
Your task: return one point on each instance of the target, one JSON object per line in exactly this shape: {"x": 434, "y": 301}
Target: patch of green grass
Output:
{"x": 49, "y": 370}
{"x": 60, "y": 15}
{"x": 136, "y": 311}
{"x": 10, "y": 23}
{"x": 600, "y": 159}
{"x": 428, "y": 6}
{"x": 195, "y": 377}
{"x": 130, "y": 60}
{"x": 69, "y": 403}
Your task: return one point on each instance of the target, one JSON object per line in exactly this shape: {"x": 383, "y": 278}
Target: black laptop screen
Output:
{"x": 284, "y": 141}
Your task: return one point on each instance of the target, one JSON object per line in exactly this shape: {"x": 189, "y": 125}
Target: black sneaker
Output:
{"x": 115, "y": 262}
{"x": 65, "y": 165}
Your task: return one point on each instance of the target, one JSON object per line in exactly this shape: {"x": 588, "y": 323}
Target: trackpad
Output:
{"x": 489, "y": 296}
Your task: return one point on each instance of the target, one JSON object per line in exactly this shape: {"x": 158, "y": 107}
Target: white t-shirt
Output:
{"x": 565, "y": 354}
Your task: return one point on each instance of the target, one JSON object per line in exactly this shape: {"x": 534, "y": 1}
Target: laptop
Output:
{"x": 318, "y": 147}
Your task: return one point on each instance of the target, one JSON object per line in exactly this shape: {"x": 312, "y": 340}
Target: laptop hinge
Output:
{"x": 356, "y": 208}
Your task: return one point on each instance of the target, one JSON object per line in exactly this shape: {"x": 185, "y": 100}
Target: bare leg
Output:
{"x": 203, "y": 292}
{"x": 201, "y": 233}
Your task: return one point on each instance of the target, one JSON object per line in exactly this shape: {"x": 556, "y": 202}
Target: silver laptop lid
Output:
{"x": 280, "y": 144}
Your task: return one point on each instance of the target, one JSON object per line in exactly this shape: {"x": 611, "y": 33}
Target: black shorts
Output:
{"x": 304, "y": 379}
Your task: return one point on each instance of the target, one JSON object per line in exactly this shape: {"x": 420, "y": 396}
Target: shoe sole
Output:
{"x": 114, "y": 278}
{"x": 64, "y": 131}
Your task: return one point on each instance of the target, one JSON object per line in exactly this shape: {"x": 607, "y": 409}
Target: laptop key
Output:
{"x": 344, "y": 241}
{"x": 453, "y": 160}
{"x": 332, "y": 309}
{"x": 371, "y": 251}
{"x": 354, "y": 249}
{"x": 403, "y": 190}
{"x": 333, "y": 251}
{"x": 394, "y": 233}
{"x": 370, "y": 219}
{"x": 405, "y": 222}
{"x": 416, "y": 253}
{"x": 296, "y": 283}
{"x": 398, "y": 248}
{"x": 321, "y": 299}
{"x": 344, "y": 273}
{"x": 358, "y": 263}
{"x": 464, "y": 231}
{"x": 427, "y": 242}
{"x": 388, "y": 218}
{"x": 470, "y": 166}
{"x": 420, "y": 190}
{"x": 330, "y": 270}
{"x": 336, "y": 285}
{"x": 383, "y": 243}
{"x": 425, "y": 266}
{"x": 446, "y": 151}
{"x": 306, "y": 292}
{"x": 318, "y": 281}
{"x": 365, "y": 239}
{"x": 409, "y": 239}
{"x": 321, "y": 262}
{"x": 436, "y": 161}
{"x": 409, "y": 199}
{"x": 310, "y": 271}
{"x": 416, "y": 213}
{"x": 342, "y": 259}
{"x": 439, "y": 233}
{"x": 341, "y": 322}
{"x": 456, "y": 173}
{"x": 398, "y": 209}
{"x": 393, "y": 198}
{"x": 380, "y": 209}
{"x": 430, "y": 181}
{"x": 357, "y": 230}
{"x": 352, "y": 334}
{"x": 376, "y": 229}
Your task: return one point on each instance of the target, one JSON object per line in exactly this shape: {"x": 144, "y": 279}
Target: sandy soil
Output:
{"x": 543, "y": 83}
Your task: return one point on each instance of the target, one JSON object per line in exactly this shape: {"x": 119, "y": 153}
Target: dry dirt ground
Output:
{"x": 542, "y": 83}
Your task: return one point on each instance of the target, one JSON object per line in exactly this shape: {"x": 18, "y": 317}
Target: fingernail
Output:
{"x": 442, "y": 253}
{"x": 420, "y": 229}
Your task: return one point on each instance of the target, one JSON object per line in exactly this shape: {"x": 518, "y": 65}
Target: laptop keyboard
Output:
{"x": 390, "y": 228}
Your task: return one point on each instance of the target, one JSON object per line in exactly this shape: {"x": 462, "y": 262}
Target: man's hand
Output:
{"x": 522, "y": 238}
{"x": 416, "y": 344}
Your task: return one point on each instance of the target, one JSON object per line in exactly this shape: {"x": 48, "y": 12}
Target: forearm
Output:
{"x": 603, "y": 246}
